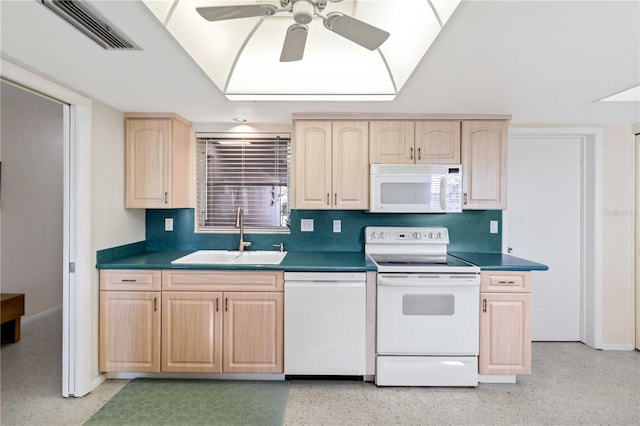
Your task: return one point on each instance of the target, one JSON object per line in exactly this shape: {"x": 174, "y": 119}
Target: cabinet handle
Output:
{"x": 419, "y": 154}
{"x": 226, "y": 304}
{"x": 335, "y": 199}
{"x": 506, "y": 282}
{"x": 465, "y": 199}
{"x": 166, "y": 198}
{"x": 217, "y": 305}
{"x": 128, "y": 281}
{"x": 410, "y": 153}
{"x": 155, "y": 304}
{"x": 327, "y": 198}
{"x": 484, "y": 305}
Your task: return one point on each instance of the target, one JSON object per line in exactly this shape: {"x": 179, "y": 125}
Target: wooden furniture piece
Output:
{"x": 505, "y": 323}
{"x": 156, "y": 161}
{"x": 10, "y": 312}
{"x": 331, "y": 165}
{"x": 484, "y": 164}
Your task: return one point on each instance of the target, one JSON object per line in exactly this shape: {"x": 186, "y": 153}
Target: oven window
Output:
{"x": 428, "y": 304}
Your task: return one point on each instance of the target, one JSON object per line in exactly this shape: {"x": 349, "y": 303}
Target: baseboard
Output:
{"x": 618, "y": 347}
{"x": 496, "y": 378}
{"x": 219, "y": 376}
{"x": 35, "y": 317}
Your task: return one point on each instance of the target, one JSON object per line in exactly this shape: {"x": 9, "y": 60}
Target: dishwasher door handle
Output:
{"x": 338, "y": 284}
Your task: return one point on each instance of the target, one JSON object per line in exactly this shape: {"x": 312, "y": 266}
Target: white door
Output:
{"x": 543, "y": 224}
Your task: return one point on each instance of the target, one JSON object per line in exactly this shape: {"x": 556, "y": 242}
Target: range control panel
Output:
{"x": 405, "y": 235}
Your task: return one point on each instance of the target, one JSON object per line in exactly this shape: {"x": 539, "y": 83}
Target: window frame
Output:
{"x": 201, "y": 184}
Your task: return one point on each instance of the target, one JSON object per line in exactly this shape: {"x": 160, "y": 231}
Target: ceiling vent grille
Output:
{"x": 87, "y": 20}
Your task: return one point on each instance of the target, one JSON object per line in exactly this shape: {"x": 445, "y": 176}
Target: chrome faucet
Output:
{"x": 240, "y": 224}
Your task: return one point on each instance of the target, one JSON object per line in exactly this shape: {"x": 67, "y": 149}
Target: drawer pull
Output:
{"x": 506, "y": 282}
{"x": 128, "y": 281}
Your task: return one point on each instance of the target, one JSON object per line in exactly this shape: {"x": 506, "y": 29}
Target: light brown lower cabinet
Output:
{"x": 129, "y": 331}
{"x": 214, "y": 332}
{"x": 505, "y": 323}
{"x": 192, "y": 331}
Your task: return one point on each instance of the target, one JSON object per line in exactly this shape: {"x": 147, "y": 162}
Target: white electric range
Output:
{"x": 427, "y": 309}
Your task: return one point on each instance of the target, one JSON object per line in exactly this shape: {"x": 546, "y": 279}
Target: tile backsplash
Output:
{"x": 468, "y": 231}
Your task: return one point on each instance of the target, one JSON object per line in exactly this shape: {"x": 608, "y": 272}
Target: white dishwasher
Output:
{"x": 325, "y": 323}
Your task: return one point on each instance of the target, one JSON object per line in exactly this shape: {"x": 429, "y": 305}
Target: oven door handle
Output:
{"x": 436, "y": 281}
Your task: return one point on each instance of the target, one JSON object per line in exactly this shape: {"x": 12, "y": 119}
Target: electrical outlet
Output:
{"x": 168, "y": 224}
{"x": 493, "y": 227}
{"x": 306, "y": 225}
{"x": 337, "y": 225}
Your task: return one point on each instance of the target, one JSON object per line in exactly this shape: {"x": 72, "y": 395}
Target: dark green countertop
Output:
{"x": 294, "y": 261}
{"x": 499, "y": 262}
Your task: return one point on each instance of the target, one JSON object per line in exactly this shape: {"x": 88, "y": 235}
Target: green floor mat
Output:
{"x": 195, "y": 402}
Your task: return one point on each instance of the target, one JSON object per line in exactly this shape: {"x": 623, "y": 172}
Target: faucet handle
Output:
{"x": 281, "y": 245}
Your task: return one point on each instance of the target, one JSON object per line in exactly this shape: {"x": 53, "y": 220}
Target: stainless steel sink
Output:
{"x": 228, "y": 257}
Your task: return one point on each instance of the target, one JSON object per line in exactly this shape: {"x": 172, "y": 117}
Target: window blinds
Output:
{"x": 248, "y": 171}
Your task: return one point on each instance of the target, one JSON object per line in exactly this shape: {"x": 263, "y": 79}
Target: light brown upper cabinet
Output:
{"x": 156, "y": 161}
{"x": 391, "y": 142}
{"x": 409, "y": 142}
{"x": 331, "y": 165}
{"x": 437, "y": 142}
{"x": 484, "y": 164}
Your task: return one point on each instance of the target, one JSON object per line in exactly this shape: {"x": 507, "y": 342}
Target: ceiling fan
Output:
{"x": 303, "y": 12}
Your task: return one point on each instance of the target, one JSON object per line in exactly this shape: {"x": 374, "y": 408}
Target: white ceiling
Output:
{"x": 542, "y": 62}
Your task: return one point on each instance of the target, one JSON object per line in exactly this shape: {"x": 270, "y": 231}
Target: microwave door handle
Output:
{"x": 443, "y": 193}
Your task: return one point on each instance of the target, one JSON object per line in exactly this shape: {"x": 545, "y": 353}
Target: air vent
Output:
{"x": 86, "y": 19}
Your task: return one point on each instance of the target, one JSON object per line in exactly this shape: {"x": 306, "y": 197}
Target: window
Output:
{"x": 243, "y": 170}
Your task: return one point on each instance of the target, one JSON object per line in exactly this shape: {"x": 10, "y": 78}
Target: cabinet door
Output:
{"x": 129, "y": 331}
{"x": 391, "y": 142}
{"x": 147, "y": 175}
{"x": 438, "y": 142}
{"x": 505, "y": 333}
{"x": 350, "y": 165}
{"x": 192, "y": 331}
{"x": 484, "y": 164}
{"x": 253, "y": 333}
{"x": 312, "y": 153}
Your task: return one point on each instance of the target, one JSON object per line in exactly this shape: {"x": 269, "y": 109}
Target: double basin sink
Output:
{"x": 227, "y": 257}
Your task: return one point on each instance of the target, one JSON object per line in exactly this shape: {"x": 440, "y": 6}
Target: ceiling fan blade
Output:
{"x": 221, "y": 13}
{"x": 294, "y": 42}
{"x": 355, "y": 30}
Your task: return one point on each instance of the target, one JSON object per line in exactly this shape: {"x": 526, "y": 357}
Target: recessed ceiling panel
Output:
{"x": 242, "y": 56}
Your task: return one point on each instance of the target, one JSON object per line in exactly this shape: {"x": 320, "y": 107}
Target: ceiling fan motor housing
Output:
{"x": 303, "y": 11}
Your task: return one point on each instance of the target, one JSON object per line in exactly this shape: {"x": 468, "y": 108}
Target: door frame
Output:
{"x": 77, "y": 347}
{"x": 636, "y": 219}
{"x": 591, "y": 228}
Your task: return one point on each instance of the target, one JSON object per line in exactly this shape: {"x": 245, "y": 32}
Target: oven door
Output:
{"x": 428, "y": 314}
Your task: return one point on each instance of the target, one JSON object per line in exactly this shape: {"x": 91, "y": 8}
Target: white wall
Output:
{"x": 32, "y": 199}
{"x": 617, "y": 239}
{"x": 111, "y": 224}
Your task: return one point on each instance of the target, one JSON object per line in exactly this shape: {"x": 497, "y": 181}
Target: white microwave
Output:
{"x": 416, "y": 188}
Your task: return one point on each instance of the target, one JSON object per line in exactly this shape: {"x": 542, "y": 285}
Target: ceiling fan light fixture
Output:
{"x": 303, "y": 11}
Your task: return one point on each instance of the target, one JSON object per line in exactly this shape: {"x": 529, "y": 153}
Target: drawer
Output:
{"x": 506, "y": 281}
{"x": 130, "y": 279}
{"x": 222, "y": 280}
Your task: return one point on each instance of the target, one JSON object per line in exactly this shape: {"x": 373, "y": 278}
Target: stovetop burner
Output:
{"x": 413, "y": 249}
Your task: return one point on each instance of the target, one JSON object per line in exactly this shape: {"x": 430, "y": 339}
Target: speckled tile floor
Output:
{"x": 571, "y": 384}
